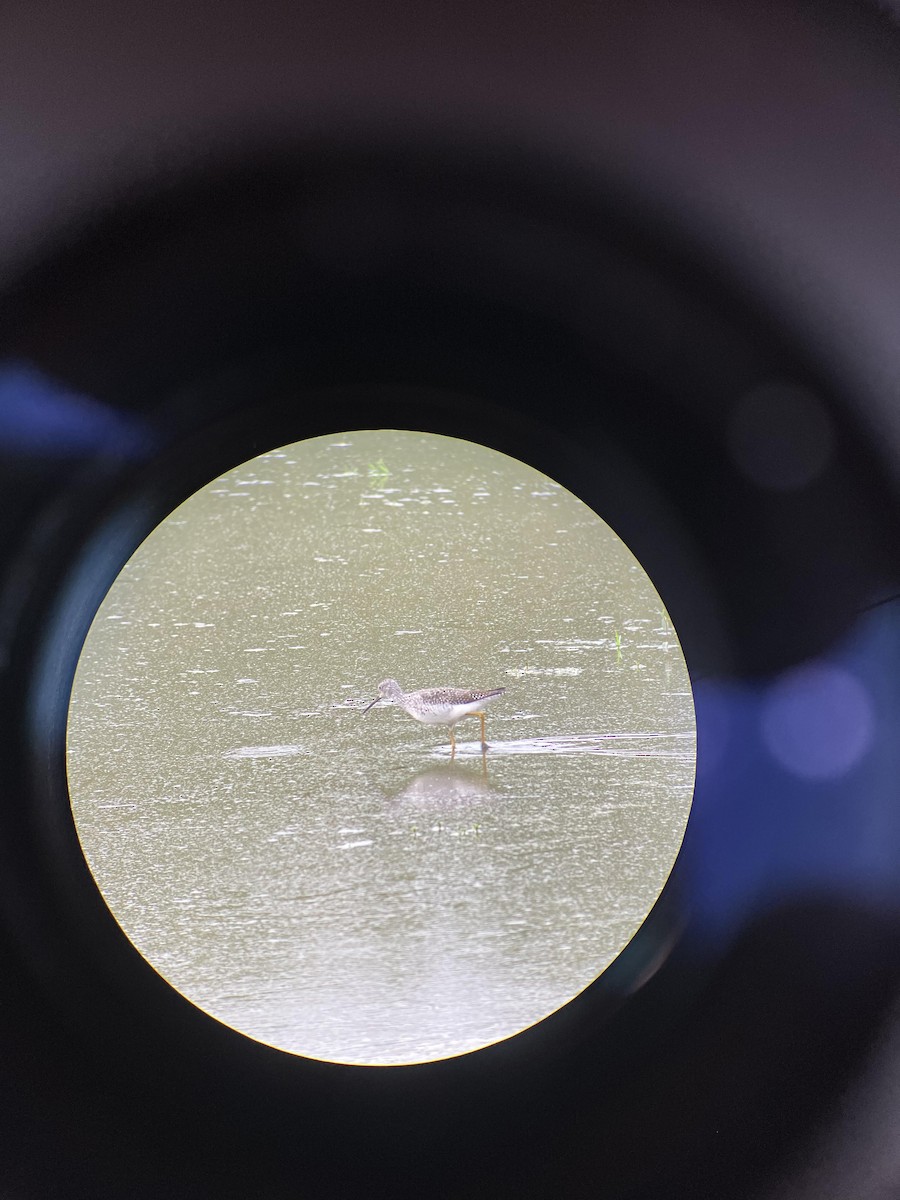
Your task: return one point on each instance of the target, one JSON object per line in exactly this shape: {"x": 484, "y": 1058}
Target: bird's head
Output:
{"x": 388, "y": 689}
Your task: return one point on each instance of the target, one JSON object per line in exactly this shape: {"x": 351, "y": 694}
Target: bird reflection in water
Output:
{"x": 449, "y": 786}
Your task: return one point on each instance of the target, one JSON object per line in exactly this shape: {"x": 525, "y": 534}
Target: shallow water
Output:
{"x": 332, "y": 882}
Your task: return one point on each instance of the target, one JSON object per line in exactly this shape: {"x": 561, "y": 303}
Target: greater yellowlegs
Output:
{"x": 438, "y": 706}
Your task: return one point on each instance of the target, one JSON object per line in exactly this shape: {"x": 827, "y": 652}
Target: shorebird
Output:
{"x": 438, "y": 706}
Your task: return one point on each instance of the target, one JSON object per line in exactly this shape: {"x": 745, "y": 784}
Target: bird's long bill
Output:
{"x": 372, "y": 705}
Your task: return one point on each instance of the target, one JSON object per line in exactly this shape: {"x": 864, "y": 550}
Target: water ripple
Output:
{"x": 264, "y": 752}
{"x": 592, "y": 743}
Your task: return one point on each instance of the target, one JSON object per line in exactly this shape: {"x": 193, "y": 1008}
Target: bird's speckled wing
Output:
{"x": 455, "y": 695}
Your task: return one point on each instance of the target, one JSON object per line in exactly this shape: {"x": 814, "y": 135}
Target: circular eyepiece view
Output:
{"x": 381, "y": 747}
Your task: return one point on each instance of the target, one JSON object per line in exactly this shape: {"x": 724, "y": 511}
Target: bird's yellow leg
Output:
{"x": 452, "y": 742}
{"x": 481, "y": 715}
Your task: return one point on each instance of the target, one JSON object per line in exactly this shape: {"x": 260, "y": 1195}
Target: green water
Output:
{"x": 331, "y": 882}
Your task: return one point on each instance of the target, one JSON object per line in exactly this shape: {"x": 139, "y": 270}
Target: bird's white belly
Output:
{"x": 446, "y": 714}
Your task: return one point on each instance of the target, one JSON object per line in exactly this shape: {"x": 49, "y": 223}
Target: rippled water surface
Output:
{"x": 335, "y": 883}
